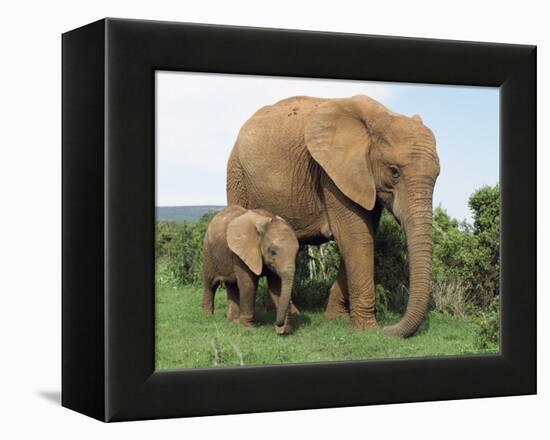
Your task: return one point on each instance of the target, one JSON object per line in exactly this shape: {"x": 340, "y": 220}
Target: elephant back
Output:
{"x": 289, "y": 107}
{"x": 280, "y": 125}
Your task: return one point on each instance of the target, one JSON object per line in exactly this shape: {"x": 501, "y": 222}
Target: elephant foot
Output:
{"x": 233, "y": 314}
{"x": 337, "y": 305}
{"x": 283, "y": 329}
{"x": 364, "y": 324}
{"x": 293, "y": 310}
{"x": 248, "y": 324}
{"x": 286, "y": 327}
{"x": 335, "y": 311}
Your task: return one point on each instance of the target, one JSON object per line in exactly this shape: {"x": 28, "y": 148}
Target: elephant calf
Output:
{"x": 241, "y": 245}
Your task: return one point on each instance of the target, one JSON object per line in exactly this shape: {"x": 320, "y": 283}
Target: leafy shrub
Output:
{"x": 489, "y": 326}
{"x": 316, "y": 269}
{"x": 484, "y": 265}
{"x": 384, "y": 299}
{"x": 322, "y": 261}
{"x": 391, "y": 271}
{"x": 450, "y": 296}
{"x": 179, "y": 247}
{"x": 465, "y": 257}
{"x": 453, "y": 245}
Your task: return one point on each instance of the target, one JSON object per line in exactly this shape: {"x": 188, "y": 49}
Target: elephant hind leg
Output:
{"x": 338, "y": 299}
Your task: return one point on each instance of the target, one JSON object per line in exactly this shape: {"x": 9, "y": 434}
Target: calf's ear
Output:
{"x": 244, "y": 236}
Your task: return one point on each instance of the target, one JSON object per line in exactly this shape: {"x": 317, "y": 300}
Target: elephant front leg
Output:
{"x": 233, "y": 305}
{"x": 247, "y": 284}
{"x": 338, "y": 299}
{"x": 353, "y": 230}
{"x": 359, "y": 262}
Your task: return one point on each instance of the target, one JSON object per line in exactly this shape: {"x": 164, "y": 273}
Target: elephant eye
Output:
{"x": 271, "y": 251}
{"x": 394, "y": 171}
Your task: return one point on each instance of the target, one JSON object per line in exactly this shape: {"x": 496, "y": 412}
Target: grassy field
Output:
{"x": 187, "y": 338}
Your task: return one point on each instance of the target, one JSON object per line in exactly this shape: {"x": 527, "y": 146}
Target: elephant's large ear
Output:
{"x": 244, "y": 236}
{"x": 337, "y": 138}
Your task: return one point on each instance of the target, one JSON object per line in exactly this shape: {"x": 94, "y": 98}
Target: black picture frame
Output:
{"x": 108, "y": 367}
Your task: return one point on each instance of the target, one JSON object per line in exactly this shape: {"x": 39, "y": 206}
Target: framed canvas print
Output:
{"x": 263, "y": 219}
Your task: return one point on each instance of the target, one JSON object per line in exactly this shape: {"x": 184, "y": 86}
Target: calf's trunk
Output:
{"x": 287, "y": 281}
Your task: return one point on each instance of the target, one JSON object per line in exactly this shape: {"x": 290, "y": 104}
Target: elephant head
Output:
{"x": 261, "y": 240}
{"x": 371, "y": 154}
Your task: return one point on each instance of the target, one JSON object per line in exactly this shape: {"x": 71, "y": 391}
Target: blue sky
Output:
{"x": 198, "y": 117}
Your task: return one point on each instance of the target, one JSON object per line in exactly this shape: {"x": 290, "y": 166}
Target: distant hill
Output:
{"x": 184, "y": 213}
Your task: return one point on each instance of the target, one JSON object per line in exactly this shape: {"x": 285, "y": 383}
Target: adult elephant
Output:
{"x": 329, "y": 167}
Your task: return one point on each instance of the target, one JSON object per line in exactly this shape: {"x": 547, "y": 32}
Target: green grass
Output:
{"x": 187, "y": 338}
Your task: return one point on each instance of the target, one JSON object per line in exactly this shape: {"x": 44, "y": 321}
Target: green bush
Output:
{"x": 453, "y": 245}
{"x": 384, "y": 299}
{"x": 391, "y": 271}
{"x": 489, "y": 326}
{"x": 449, "y": 295}
{"x": 484, "y": 265}
{"x": 316, "y": 269}
{"x": 179, "y": 249}
{"x": 465, "y": 257}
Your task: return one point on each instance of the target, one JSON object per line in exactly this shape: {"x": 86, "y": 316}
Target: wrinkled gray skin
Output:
{"x": 239, "y": 247}
{"x": 329, "y": 167}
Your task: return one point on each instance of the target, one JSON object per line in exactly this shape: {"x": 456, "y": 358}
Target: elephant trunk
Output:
{"x": 418, "y": 230}
{"x": 287, "y": 281}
